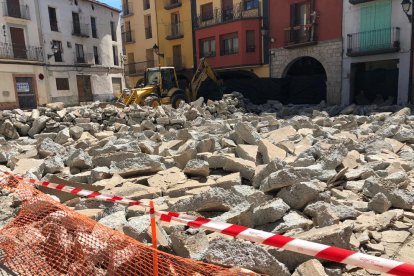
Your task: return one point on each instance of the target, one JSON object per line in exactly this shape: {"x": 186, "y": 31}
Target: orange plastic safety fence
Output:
{"x": 47, "y": 238}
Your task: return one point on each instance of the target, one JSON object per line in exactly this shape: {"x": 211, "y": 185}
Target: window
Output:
{"x": 115, "y": 55}
{"x": 113, "y": 31}
{"x": 96, "y": 55}
{"x": 206, "y": 11}
{"x": 53, "y": 20}
{"x": 147, "y": 4}
{"x": 208, "y": 47}
{"x": 250, "y": 42}
{"x": 148, "y": 28}
{"x": 229, "y": 44}
{"x": 62, "y": 83}
{"x": 250, "y": 4}
{"x": 93, "y": 26}
{"x": 300, "y": 14}
{"x": 58, "y": 56}
{"x": 80, "y": 56}
{"x": 76, "y": 23}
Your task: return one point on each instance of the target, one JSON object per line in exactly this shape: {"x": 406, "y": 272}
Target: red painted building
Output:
{"x": 306, "y": 48}
{"x": 229, "y": 35}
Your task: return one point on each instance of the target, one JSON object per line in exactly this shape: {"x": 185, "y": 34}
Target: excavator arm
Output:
{"x": 203, "y": 73}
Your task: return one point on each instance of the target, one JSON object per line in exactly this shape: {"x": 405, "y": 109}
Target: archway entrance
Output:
{"x": 306, "y": 80}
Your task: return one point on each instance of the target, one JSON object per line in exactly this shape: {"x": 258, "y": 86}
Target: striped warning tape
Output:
{"x": 331, "y": 253}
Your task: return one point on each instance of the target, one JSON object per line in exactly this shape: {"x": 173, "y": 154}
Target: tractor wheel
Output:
{"x": 152, "y": 101}
{"x": 177, "y": 99}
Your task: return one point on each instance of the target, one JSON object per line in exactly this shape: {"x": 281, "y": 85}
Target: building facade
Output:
{"x": 307, "y": 49}
{"x": 376, "y": 59}
{"x": 83, "y": 46}
{"x": 229, "y": 34}
{"x": 22, "y": 74}
{"x": 139, "y": 37}
{"x": 175, "y": 36}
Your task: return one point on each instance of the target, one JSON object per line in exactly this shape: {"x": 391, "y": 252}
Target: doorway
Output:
{"x": 177, "y": 58}
{"x": 26, "y": 92}
{"x": 18, "y": 43}
{"x": 84, "y": 88}
{"x": 117, "y": 86}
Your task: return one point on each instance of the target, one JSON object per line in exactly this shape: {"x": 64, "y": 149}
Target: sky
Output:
{"x": 113, "y": 3}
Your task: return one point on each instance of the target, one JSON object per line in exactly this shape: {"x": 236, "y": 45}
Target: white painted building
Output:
{"x": 69, "y": 51}
{"x": 22, "y": 75}
{"x": 87, "y": 37}
{"x": 376, "y": 58}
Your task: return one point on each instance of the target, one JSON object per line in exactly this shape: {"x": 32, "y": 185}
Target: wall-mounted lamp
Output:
{"x": 55, "y": 50}
{"x": 157, "y": 50}
{"x": 406, "y": 6}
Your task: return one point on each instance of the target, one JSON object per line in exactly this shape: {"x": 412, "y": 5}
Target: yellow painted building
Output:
{"x": 139, "y": 36}
{"x": 175, "y": 39}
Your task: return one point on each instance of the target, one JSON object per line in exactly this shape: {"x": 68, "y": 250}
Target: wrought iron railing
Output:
{"x": 242, "y": 10}
{"x": 373, "y": 42}
{"x": 138, "y": 68}
{"x": 80, "y": 29}
{"x": 148, "y": 32}
{"x": 175, "y": 30}
{"x": 18, "y": 11}
{"x": 300, "y": 34}
{"x": 171, "y": 4}
{"x": 88, "y": 58}
{"x": 127, "y": 8}
{"x": 18, "y": 51}
{"x": 128, "y": 36}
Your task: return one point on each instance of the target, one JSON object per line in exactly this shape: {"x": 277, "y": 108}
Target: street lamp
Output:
{"x": 406, "y": 6}
{"x": 55, "y": 50}
{"x": 157, "y": 50}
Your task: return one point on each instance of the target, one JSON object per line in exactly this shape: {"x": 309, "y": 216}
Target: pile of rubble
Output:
{"x": 344, "y": 180}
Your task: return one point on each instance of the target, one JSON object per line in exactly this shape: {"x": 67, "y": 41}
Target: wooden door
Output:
{"x": 177, "y": 58}
{"x": 26, "y": 92}
{"x": 149, "y": 54}
{"x": 13, "y": 8}
{"x": 117, "y": 86}
{"x": 18, "y": 42}
{"x": 131, "y": 63}
{"x": 375, "y": 25}
{"x": 84, "y": 88}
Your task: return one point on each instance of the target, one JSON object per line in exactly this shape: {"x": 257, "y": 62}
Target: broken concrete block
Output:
{"x": 167, "y": 178}
{"x": 280, "y": 134}
{"x": 182, "y": 159}
{"x": 54, "y": 164}
{"x": 38, "y": 125}
{"x": 8, "y": 130}
{"x": 300, "y": 194}
{"x": 293, "y": 220}
{"x": 263, "y": 172}
{"x": 279, "y": 179}
{"x": 63, "y": 136}
{"x": 75, "y": 132}
{"x": 379, "y": 203}
{"x": 311, "y": 267}
{"x": 35, "y": 166}
{"x": 196, "y": 167}
{"x": 269, "y": 151}
{"x": 229, "y": 180}
{"x": 245, "y": 167}
{"x": 47, "y": 148}
{"x": 80, "y": 160}
{"x": 322, "y": 214}
{"x": 140, "y": 164}
{"x": 138, "y": 228}
{"x": 115, "y": 221}
{"x": 189, "y": 245}
{"x": 270, "y": 211}
{"x": 247, "y": 132}
{"x": 240, "y": 214}
{"x": 248, "y": 152}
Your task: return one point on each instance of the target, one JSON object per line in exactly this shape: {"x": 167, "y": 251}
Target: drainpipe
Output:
{"x": 410, "y": 79}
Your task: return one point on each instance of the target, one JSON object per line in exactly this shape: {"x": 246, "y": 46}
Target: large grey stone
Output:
{"x": 247, "y": 132}
{"x": 197, "y": 167}
{"x": 279, "y": 179}
{"x": 189, "y": 245}
{"x": 270, "y": 211}
{"x": 38, "y": 125}
{"x": 8, "y": 130}
{"x": 79, "y": 160}
{"x": 115, "y": 221}
{"x": 141, "y": 164}
{"x": 138, "y": 228}
{"x": 379, "y": 203}
{"x": 47, "y": 147}
{"x": 300, "y": 194}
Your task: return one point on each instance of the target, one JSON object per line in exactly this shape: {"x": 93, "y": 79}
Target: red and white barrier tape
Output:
{"x": 331, "y": 253}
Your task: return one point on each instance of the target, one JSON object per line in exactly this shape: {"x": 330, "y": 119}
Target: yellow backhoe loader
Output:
{"x": 161, "y": 87}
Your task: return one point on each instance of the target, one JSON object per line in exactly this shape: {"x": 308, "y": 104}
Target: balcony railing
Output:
{"x": 243, "y": 10}
{"x": 88, "y": 58}
{"x": 17, "y": 11}
{"x": 148, "y": 32}
{"x": 138, "y": 68}
{"x": 300, "y": 35}
{"x": 127, "y": 9}
{"x": 23, "y": 52}
{"x": 374, "y": 42}
{"x": 175, "y": 31}
{"x": 355, "y": 2}
{"x": 80, "y": 29}
{"x": 171, "y": 4}
{"x": 128, "y": 36}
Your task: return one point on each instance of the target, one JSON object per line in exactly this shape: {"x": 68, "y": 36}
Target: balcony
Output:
{"x": 79, "y": 29}
{"x": 355, "y": 2}
{"x": 21, "y": 52}
{"x": 374, "y": 42}
{"x": 299, "y": 36}
{"x": 127, "y": 9}
{"x": 243, "y": 10}
{"x": 16, "y": 11}
{"x": 171, "y": 4}
{"x": 148, "y": 32}
{"x": 175, "y": 31}
{"x": 128, "y": 36}
{"x": 138, "y": 68}
{"x": 86, "y": 59}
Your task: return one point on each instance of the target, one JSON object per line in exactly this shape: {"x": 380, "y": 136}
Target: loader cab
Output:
{"x": 162, "y": 77}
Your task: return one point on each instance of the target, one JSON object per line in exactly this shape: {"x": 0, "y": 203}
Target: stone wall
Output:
{"x": 328, "y": 53}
